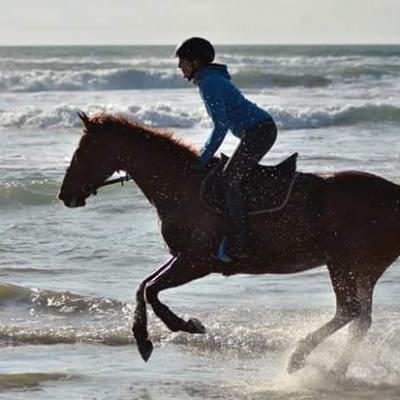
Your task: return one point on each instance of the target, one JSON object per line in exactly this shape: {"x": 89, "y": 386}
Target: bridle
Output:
{"x": 120, "y": 180}
{"x": 90, "y": 189}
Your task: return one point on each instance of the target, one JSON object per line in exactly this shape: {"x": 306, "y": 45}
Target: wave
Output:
{"x": 64, "y": 116}
{"x": 348, "y": 115}
{"x": 98, "y": 312}
{"x": 15, "y": 336}
{"x": 156, "y": 73}
{"x": 104, "y": 315}
{"x": 60, "y": 302}
{"x": 356, "y": 71}
{"x": 124, "y": 68}
{"x": 229, "y": 335}
{"x": 33, "y": 192}
{"x": 31, "y": 381}
{"x": 36, "y": 192}
{"x": 84, "y": 63}
{"x": 220, "y": 338}
{"x": 38, "y": 80}
{"x": 260, "y": 79}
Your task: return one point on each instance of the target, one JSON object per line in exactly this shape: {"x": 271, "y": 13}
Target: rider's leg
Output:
{"x": 254, "y": 144}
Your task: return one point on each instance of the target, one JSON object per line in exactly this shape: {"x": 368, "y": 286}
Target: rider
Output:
{"x": 229, "y": 110}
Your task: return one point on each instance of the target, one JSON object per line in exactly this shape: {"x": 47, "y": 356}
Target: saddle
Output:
{"x": 268, "y": 188}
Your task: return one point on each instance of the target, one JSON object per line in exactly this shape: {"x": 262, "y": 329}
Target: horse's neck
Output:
{"x": 161, "y": 176}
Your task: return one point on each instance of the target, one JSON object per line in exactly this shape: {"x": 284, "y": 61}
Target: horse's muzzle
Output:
{"x": 71, "y": 202}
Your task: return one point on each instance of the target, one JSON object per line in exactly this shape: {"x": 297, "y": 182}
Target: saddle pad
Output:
{"x": 268, "y": 187}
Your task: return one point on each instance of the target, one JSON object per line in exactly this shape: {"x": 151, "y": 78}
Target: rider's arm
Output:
{"x": 215, "y": 105}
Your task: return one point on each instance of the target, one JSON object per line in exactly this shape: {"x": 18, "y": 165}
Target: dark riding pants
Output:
{"x": 254, "y": 144}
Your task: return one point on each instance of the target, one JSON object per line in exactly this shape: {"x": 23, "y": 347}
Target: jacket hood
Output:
{"x": 212, "y": 69}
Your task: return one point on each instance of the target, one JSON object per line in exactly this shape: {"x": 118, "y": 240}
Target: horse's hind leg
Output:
{"x": 139, "y": 327}
{"x": 347, "y": 309}
{"x": 358, "y": 328}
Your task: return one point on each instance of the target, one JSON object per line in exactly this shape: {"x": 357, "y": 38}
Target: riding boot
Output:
{"x": 238, "y": 240}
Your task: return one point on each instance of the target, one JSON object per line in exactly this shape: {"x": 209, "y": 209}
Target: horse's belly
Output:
{"x": 285, "y": 263}
{"x": 185, "y": 234}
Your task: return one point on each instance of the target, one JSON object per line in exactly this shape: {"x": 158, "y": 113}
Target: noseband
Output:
{"x": 90, "y": 189}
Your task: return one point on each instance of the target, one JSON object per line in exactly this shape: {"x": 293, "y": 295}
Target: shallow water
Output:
{"x": 67, "y": 277}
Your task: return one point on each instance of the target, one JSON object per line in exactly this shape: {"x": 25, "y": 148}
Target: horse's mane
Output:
{"x": 105, "y": 122}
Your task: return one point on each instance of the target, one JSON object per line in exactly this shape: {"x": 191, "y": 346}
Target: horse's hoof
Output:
{"x": 296, "y": 362}
{"x": 145, "y": 349}
{"x": 193, "y": 325}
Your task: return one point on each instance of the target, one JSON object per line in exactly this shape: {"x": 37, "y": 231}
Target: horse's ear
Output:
{"x": 84, "y": 118}
{"x": 87, "y": 124}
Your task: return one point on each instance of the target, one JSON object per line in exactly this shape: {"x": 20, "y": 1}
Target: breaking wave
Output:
{"x": 102, "y": 77}
{"x": 61, "y": 302}
{"x": 309, "y": 118}
{"x": 130, "y": 79}
{"x": 33, "y": 192}
{"x": 107, "y": 321}
{"x": 266, "y": 337}
{"x": 64, "y": 116}
{"x": 37, "y": 80}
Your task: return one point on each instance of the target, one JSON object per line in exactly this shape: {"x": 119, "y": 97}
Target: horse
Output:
{"x": 348, "y": 221}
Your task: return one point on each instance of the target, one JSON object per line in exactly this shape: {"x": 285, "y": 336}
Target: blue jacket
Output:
{"x": 226, "y": 106}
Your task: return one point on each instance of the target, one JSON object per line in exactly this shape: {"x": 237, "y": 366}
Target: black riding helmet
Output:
{"x": 196, "y": 48}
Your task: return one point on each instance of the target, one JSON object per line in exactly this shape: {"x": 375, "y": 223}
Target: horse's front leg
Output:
{"x": 183, "y": 270}
{"x": 139, "y": 327}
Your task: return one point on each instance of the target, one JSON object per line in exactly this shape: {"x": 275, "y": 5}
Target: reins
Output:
{"x": 120, "y": 180}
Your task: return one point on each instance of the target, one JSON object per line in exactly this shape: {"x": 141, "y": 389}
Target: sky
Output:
{"x": 71, "y": 22}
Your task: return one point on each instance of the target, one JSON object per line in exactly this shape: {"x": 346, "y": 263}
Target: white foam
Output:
{"x": 65, "y": 115}
{"x": 36, "y": 80}
{"x": 165, "y": 114}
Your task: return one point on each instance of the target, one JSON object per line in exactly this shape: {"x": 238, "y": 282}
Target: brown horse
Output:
{"x": 349, "y": 221}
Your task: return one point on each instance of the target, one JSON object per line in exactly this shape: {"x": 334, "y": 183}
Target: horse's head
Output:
{"x": 89, "y": 168}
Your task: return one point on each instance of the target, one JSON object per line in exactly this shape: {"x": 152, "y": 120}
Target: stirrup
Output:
{"x": 221, "y": 255}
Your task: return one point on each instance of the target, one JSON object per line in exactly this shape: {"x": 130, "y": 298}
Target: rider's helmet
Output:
{"x": 196, "y": 48}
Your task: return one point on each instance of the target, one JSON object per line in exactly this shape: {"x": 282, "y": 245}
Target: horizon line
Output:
{"x": 216, "y": 44}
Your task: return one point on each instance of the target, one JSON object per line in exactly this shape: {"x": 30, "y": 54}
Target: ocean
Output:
{"x": 68, "y": 276}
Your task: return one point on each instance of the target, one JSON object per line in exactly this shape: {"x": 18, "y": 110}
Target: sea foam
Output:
{"x": 64, "y": 116}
